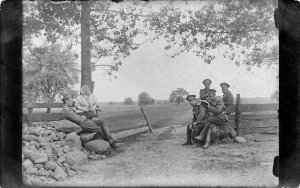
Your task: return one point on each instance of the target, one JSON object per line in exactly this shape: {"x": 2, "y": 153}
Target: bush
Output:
{"x": 145, "y": 99}
{"x": 128, "y": 101}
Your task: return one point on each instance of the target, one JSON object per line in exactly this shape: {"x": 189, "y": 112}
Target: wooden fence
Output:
{"x": 240, "y": 119}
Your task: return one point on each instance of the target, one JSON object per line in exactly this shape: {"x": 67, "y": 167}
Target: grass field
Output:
{"x": 122, "y": 117}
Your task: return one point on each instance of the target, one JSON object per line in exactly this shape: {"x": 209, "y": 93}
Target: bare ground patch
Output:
{"x": 160, "y": 159}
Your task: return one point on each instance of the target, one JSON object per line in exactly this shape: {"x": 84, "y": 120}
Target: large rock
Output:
{"x": 33, "y": 156}
{"x": 42, "y": 172}
{"x": 50, "y": 165}
{"x": 85, "y": 137}
{"x": 36, "y": 131}
{"x": 240, "y": 139}
{"x": 38, "y": 165}
{"x": 37, "y": 139}
{"x": 59, "y": 174}
{"x": 42, "y": 159}
{"x": 71, "y": 173}
{"x": 36, "y": 181}
{"x": 73, "y": 140}
{"x": 31, "y": 170}
{"x": 75, "y": 158}
{"x": 61, "y": 159}
{"x": 98, "y": 146}
{"x": 29, "y": 138}
{"x": 27, "y": 164}
{"x": 66, "y": 126}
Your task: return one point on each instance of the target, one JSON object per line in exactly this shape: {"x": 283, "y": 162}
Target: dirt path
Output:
{"x": 160, "y": 159}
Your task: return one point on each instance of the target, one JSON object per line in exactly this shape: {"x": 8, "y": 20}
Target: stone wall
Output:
{"x": 55, "y": 151}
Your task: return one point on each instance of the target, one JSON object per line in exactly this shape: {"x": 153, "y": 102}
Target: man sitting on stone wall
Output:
{"x": 87, "y": 125}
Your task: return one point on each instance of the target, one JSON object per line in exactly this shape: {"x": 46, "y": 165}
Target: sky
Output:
{"x": 149, "y": 69}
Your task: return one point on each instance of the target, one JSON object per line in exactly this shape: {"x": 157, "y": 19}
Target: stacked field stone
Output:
{"x": 53, "y": 151}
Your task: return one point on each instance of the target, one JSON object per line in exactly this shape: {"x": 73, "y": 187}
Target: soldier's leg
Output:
{"x": 101, "y": 123}
{"x": 188, "y": 135}
{"x": 90, "y": 126}
{"x": 203, "y": 132}
{"x": 217, "y": 121}
{"x": 205, "y": 116}
{"x": 207, "y": 141}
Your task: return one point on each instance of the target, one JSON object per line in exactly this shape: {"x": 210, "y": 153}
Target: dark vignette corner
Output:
{"x": 287, "y": 20}
{"x": 11, "y": 93}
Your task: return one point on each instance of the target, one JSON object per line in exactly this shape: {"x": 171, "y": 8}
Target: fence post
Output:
{"x": 148, "y": 123}
{"x": 29, "y": 114}
{"x": 48, "y": 107}
{"x": 238, "y": 113}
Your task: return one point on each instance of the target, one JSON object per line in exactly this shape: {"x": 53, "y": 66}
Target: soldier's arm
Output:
{"x": 73, "y": 117}
{"x": 216, "y": 109}
{"x": 79, "y": 106}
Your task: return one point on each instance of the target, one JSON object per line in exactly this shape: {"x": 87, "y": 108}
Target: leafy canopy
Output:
{"x": 244, "y": 29}
{"x": 49, "y": 71}
{"x": 112, "y": 28}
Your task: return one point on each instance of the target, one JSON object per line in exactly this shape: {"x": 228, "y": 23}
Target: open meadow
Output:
{"x": 122, "y": 117}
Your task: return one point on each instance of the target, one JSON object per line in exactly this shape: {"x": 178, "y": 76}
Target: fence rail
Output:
{"x": 242, "y": 115}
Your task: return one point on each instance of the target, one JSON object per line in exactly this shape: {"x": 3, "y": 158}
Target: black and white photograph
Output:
{"x": 150, "y": 93}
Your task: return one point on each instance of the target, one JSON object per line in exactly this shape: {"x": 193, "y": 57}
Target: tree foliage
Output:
{"x": 245, "y": 29}
{"x": 176, "y": 96}
{"x": 112, "y": 29}
{"x": 49, "y": 71}
{"x": 128, "y": 101}
{"x": 145, "y": 99}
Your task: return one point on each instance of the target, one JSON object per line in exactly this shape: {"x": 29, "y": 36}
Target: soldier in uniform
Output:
{"x": 227, "y": 98}
{"x": 204, "y": 93}
{"x": 216, "y": 107}
{"x": 98, "y": 126}
{"x": 199, "y": 115}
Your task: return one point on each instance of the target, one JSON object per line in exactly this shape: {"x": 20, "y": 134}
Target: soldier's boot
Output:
{"x": 115, "y": 145}
{"x": 201, "y": 136}
{"x": 207, "y": 139}
{"x": 188, "y": 136}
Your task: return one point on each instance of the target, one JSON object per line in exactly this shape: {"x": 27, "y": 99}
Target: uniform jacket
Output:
{"x": 217, "y": 107}
{"x": 85, "y": 102}
{"x": 228, "y": 102}
{"x": 70, "y": 114}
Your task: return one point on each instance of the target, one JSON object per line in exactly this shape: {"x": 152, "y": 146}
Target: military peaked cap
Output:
{"x": 224, "y": 83}
{"x": 209, "y": 80}
{"x": 189, "y": 97}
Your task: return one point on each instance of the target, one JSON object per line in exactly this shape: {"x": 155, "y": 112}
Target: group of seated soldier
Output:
{"x": 210, "y": 115}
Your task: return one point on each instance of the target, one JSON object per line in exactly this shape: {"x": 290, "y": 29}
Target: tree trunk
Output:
{"x": 86, "y": 71}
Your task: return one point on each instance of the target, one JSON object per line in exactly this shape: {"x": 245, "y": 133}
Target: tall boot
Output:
{"x": 207, "y": 139}
{"x": 201, "y": 136}
{"x": 188, "y": 136}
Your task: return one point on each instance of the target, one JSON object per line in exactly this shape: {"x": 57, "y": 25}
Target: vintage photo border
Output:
{"x": 11, "y": 95}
